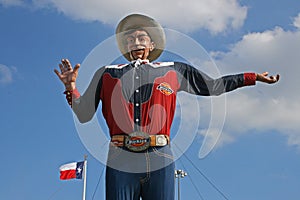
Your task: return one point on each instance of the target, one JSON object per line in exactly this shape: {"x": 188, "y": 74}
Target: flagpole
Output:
{"x": 84, "y": 177}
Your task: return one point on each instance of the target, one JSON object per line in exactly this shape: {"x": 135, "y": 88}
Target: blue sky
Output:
{"x": 256, "y": 157}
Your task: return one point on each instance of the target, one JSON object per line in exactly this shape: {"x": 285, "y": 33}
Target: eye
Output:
{"x": 144, "y": 38}
{"x": 130, "y": 40}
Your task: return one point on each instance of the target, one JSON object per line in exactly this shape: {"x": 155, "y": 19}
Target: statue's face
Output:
{"x": 139, "y": 44}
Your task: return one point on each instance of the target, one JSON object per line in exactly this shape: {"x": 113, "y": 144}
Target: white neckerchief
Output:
{"x": 139, "y": 62}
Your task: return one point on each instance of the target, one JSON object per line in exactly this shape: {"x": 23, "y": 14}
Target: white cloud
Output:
{"x": 297, "y": 21}
{"x": 6, "y": 74}
{"x": 265, "y": 107}
{"x": 215, "y": 139}
{"x": 214, "y": 15}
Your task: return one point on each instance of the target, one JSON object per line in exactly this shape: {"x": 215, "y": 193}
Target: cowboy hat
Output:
{"x": 138, "y": 21}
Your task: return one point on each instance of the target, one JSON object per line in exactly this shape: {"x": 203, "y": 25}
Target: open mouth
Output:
{"x": 138, "y": 53}
{"x": 138, "y": 50}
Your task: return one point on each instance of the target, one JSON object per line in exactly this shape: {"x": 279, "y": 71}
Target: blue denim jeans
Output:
{"x": 147, "y": 175}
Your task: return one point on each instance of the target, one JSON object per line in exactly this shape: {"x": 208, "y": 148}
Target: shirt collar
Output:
{"x": 139, "y": 62}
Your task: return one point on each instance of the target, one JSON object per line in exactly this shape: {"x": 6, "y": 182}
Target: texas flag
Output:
{"x": 71, "y": 170}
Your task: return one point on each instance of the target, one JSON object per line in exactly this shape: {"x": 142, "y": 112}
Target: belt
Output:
{"x": 140, "y": 141}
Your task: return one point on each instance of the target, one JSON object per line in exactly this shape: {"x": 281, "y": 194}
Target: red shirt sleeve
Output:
{"x": 249, "y": 79}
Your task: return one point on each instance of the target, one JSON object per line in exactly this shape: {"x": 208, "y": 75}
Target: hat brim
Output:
{"x": 138, "y": 21}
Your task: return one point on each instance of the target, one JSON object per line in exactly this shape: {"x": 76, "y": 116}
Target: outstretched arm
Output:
{"x": 84, "y": 106}
{"x": 68, "y": 76}
{"x": 196, "y": 82}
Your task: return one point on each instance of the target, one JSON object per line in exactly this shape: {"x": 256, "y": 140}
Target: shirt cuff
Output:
{"x": 249, "y": 79}
{"x": 76, "y": 94}
{"x": 72, "y": 95}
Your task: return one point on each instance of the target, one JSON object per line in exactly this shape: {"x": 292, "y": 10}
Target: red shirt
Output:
{"x": 142, "y": 97}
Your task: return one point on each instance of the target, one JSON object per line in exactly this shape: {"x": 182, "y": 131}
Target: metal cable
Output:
{"x": 55, "y": 192}
{"x": 202, "y": 174}
{"x": 98, "y": 184}
{"x": 198, "y": 192}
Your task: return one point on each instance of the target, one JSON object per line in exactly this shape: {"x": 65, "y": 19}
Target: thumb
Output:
{"x": 77, "y": 66}
{"x": 57, "y": 73}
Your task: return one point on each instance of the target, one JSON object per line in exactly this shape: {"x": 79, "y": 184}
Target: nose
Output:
{"x": 137, "y": 41}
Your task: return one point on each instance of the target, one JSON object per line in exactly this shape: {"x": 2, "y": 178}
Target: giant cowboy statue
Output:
{"x": 138, "y": 104}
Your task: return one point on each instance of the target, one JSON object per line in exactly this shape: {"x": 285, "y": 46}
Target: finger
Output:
{"x": 61, "y": 67}
{"x": 63, "y": 62}
{"x": 276, "y": 78}
{"x": 66, "y": 64}
{"x": 273, "y": 78}
{"x": 77, "y": 66}
{"x": 57, "y": 73}
{"x": 265, "y": 73}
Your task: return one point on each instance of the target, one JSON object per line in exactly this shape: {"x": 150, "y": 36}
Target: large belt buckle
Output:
{"x": 137, "y": 141}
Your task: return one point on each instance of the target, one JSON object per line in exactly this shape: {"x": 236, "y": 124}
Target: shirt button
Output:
{"x": 137, "y": 77}
{"x": 137, "y": 104}
{"x": 137, "y": 120}
{"x": 137, "y": 91}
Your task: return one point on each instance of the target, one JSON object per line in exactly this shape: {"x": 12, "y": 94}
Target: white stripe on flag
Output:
{"x": 69, "y": 166}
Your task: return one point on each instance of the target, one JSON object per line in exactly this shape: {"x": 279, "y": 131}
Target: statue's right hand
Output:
{"x": 67, "y": 74}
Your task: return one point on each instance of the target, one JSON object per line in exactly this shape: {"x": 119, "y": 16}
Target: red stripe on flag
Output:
{"x": 67, "y": 174}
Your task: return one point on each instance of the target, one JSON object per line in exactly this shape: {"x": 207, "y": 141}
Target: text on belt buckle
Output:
{"x": 137, "y": 141}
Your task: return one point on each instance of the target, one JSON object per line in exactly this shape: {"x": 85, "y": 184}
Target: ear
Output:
{"x": 152, "y": 46}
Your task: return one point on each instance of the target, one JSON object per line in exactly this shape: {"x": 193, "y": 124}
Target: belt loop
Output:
{"x": 152, "y": 141}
